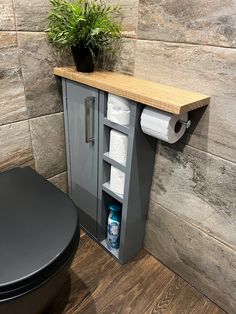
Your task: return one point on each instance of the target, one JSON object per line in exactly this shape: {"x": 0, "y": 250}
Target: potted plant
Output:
{"x": 84, "y": 26}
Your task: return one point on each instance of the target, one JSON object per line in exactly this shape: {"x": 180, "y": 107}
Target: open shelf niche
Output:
{"x": 107, "y": 199}
{"x": 138, "y": 174}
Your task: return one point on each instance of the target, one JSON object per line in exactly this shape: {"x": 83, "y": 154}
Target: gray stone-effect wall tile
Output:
{"x": 209, "y": 70}
{"x": 12, "y": 97}
{"x": 7, "y": 21}
{"x": 199, "y": 188}
{"x": 198, "y": 258}
{"x": 190, "y": 21}
{"x": 31, "y": 15}
{"x": 124, "y": 58}
{"x": 38, "y": 58}
{"x": 60, "y": 181}
{"x": 128, "y": 17}
{"x": 48, "y": 142}
{"x": 15, "y": 146}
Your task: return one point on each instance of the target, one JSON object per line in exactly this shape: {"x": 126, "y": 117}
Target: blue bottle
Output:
{"x": 113, "y": 227}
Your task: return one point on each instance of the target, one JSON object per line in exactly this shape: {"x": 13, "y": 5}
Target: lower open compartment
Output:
{"x": 111, "y": 235}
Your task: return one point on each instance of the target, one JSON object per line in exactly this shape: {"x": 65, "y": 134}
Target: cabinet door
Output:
{"x": 82, "y": 127}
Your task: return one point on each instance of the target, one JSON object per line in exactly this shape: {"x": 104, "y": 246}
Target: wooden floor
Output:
{"x": 98, "y": 284}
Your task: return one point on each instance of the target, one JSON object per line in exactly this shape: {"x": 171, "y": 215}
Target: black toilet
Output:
{"x": 39, "y": 235}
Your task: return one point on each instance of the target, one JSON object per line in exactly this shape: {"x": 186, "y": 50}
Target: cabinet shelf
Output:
{"x": 113, "y": 162}
{"x": 122, "y": 128}
{"x": 114, "y": 253}
{"x": 106, "y": 188}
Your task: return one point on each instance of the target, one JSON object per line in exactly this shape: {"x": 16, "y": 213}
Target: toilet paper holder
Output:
{"x": 186, "y": 123}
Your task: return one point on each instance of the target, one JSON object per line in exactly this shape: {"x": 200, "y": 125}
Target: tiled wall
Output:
{"x": 190, "y": 44}
{"x": 31, "y": 117}
{"x": 31, "y": 121}
{"x": 191, "y": 224}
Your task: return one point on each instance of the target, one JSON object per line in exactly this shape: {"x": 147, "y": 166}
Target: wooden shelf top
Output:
{"x": 152, "y": 94}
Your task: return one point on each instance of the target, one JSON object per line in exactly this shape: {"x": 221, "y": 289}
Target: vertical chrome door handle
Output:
{"x": 89, "y": 119}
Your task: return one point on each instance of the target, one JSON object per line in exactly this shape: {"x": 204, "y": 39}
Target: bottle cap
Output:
{"x": 115, "y": 208}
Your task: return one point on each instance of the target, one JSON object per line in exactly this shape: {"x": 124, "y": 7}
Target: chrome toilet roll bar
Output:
{"x": 186, "y": 123}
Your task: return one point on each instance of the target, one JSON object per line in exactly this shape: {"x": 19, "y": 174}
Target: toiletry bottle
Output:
{"x": 113, "y": 227}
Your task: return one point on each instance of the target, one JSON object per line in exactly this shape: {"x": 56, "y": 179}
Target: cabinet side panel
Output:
{"x": 64, "y": 97}
{"x": 102, "y": 215}
{"x": 139, "y": 172}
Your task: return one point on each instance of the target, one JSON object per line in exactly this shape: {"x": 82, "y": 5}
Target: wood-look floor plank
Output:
{"x": 82, "y": 233}
{"x": 100, "y": 285}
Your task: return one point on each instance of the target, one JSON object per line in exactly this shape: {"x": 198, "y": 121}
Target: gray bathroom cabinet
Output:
{"x": 87, "y": 144}
{"x": 87, "y": 131}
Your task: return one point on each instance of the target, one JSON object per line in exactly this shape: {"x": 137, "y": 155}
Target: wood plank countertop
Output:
{"x": 163, "y": 97}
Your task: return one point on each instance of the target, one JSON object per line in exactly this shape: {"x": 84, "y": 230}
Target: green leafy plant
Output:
{"x": 89, "y": 24}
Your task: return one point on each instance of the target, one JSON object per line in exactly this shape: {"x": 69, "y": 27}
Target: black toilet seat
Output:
{"x": 39, "y": 231}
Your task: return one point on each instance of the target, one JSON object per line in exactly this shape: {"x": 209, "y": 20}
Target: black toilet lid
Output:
{"x": 39, "y": 230}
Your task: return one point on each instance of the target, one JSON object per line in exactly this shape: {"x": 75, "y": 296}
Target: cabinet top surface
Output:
{"x": 163, "y": 97}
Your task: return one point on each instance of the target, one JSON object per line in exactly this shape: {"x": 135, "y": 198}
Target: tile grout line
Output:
{"x": 33, "y": 118}
{"x": 183, "y": 43}
{"x": 22, "y": 78}
{"x": 143, "y": 39}
{"x": 196, "y": 227}
{"x": 209, "y": 153}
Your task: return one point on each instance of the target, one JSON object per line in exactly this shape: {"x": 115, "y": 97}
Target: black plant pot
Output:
{"x": 84, "y": 59}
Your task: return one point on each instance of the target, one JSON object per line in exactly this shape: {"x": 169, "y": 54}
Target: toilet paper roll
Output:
{"x": 118, "y": 146}
{"x": 163, "y": 125}
{"x": 118, "y": 109}
{"x": 117, "y": 180}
